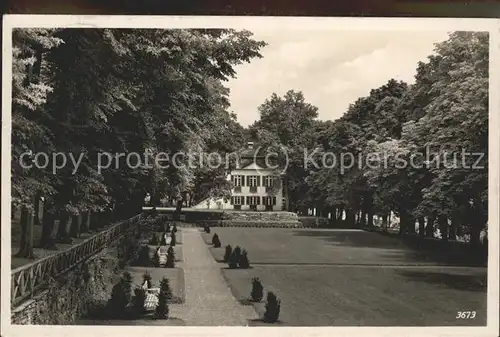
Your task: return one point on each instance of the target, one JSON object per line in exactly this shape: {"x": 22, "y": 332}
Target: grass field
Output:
{"x": 351, "y": 278}
{"x": 322, "y": 246}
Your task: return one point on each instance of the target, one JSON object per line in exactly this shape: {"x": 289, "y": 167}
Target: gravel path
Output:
{"x": 208, "y": 298}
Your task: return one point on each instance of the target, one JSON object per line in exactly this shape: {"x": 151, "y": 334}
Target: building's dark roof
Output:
{"x": 256, "y": 154}
{"x": 251, "y": 153}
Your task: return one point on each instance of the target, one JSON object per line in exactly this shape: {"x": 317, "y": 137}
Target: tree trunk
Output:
{"x": 478, "y": 222}
{"x": 370, "y": 217}
{"x": 75, "y": 226}
{"x": 37, "y": 210}
{"x": 410, "y": 223}
{"x": 369, "y": 210}
{"x": 340, "y": 214}
{"x": 385, "y": 221}
{"x": 429, "y": 228}
{"x": 62, "y": 230}
{"x": 85, "y": 225}
{"x": 48, "y": 219}
{"x": 26, "y": 242}
{"x": 362, "y": 219}
{"x": 178, "y": 206}
{"x": 402, "y": 223}
{"x": 94, "y": 221}
{"x": 443, "y": 226}
{"x": 454, "y": 226}
{"x": 421, "y": 226}
{"x": 349, "y": 218}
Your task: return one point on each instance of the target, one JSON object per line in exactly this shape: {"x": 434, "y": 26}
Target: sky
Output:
{"x": 331, "y": 68}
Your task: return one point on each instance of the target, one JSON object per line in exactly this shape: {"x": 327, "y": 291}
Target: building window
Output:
{"x": 237, "y": 180}
{"x": 253, "y": 201}
{"x": 269, "y": 201}
{"x": 269, "y": 181}
{"x": 253, "y": 181}
{"x": 237, "y": 200}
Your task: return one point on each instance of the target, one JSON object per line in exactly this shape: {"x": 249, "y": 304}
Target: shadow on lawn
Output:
{"x": 412, "y": 249}
{"x": 475, "y": 282}
{"x": 353, "y": 238}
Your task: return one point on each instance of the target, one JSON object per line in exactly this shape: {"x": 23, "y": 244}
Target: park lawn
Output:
{"x": 319, "y": 246}
{"x": 366, "y": 296}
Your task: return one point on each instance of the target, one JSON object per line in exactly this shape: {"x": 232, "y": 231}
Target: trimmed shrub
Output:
{"x": 234, "y": 258}
{"x": 227, "y": 253}
{"x": 170, "y": 259}
{"x": 118, "y": 301}
{"x": 120, "y": 295}
{"x": 243, "y": 261}
{"x": 215, "y": 241}
{"x": 174, "y": 240}
{"x": 257, "y": 290}
{"x": 154, "y": 240}
{"x": 237, "y": 252}
{"x": 174, "y": 229}
{"x": 138, "y": 301}
{"x": 162, "y": 309}
{"x": 143, "y": 257}
{"x": 146, "y": 277}
{"x": 272, "y": 308}
{"x": 207, "y": 229}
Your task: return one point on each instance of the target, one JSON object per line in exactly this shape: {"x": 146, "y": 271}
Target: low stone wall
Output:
{"x": 259, "y": 216}
{"x": 232, "y": 218}
{"x": 71, "y": 295}
{"x": 81, "y": 289}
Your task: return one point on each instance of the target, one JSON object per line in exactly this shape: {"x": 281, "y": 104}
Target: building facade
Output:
{"x": 256, "y": 186}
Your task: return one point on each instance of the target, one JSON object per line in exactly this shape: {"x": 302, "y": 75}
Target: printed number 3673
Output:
{"x": 466, "y": 314}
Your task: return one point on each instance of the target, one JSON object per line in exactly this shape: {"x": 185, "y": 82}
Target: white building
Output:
{"x": 256, "y": 185}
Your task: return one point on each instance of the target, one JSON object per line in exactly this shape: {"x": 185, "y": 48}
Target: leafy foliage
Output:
{"x": 116, "y": 91}
{"x": 433, "y": 125}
